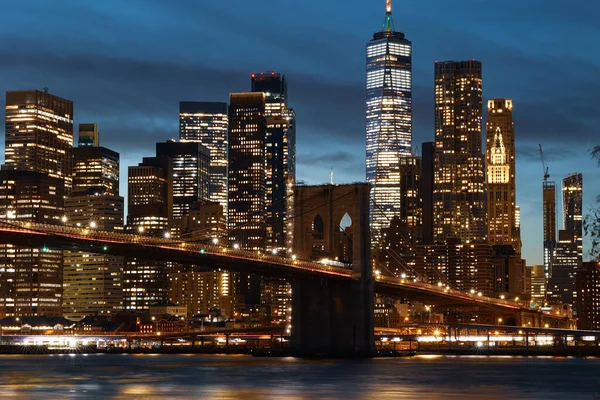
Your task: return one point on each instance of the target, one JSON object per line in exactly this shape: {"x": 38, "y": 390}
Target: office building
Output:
{"x": 280, "y": 153}
{"x": 561, "y": 284}
{"x": 427, "y": 180}
{"x": 501, "y": 186}
{"x": 31, "y": 278}
{"x": 150, "y": 196}
{"x": 247, "y": 222}
{"x": 206, "y": 123}
{"x": 93, "y": 281}
{"x": 538, "y": 285}
{"x": 465, "y": 267}
{"x": 39, "y": 133}
{"x": 459, "y": 193}
{"x": 572, "y": 188}
{"x": 588, "y": 296}
{"x": 88, "y": 136}
{"x": 388, "y": 120}
{"x": 190, "y": 183}
{"x": 549, "y": 214}
{"x": 95, "y": 169}
{"x": 150, "y": 210}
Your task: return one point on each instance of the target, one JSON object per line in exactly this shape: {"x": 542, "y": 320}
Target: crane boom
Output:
{"x": 544, "y": 166}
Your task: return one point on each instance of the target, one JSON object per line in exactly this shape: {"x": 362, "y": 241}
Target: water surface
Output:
{"x": 243, "y": 377}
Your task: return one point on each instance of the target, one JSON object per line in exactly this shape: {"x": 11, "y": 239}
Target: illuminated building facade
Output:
{"x": 190, "y": 163}
{"x": 150, "y": 208}
{"x": 30, "y": 278}
{"x": 247, "y": 176}
{"x": 427, "y": 175}
{"x": 150, "y": 196}
{"x": 502, "y": 218}
{"x": 88, "y": 135}
{"x": 465, "y": 267}
{"x": 280, "y": 153}
{"x": 588, "y": 296}
{"x": 247, "y": 222}
{"x": 96, "y": 169}
{"x": 549, "y": 210}
{"x": 206, "y": 123}
{"x": 39, "y": 133}
{"x": 572, "y": 188}
{"x": 561, "y": 285}
{"x": 538, "y": 284}
{"x": 459, "y": 193}
{"x": 388, "y": 120}
{"x": 93, "y": 281}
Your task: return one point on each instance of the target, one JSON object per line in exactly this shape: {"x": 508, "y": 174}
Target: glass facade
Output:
{"x": 206, "y": 123}
{"x": 388, "y": 121}
{"x": 459, "y": 199}
{"x": 95, "y": 169}
{"x": 88, "y": 135}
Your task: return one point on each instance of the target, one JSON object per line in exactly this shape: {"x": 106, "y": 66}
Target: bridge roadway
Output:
{"x": 62, "y": 237}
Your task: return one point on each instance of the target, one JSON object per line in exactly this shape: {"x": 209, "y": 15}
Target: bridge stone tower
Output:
{"x": 333, "y": 316}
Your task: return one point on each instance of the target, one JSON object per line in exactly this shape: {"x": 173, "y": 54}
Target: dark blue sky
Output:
{"x": 127, "y": 64}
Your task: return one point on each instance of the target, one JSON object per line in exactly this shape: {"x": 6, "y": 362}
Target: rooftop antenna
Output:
{"x": 46, "y": 90}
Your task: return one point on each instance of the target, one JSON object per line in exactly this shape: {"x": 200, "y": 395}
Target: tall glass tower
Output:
{"x": 389, "y": 120}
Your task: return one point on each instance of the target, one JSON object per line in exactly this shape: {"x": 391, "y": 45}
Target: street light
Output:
{"x": 64, "y": 219}
{"x": 141, "y": 229}
{"x": 236, "y": 246}
{"x": 215, "y": 241}
{"x": 167, "y": 235}
{"x": 93, "y": 224}
{"x": 499, "y": 321}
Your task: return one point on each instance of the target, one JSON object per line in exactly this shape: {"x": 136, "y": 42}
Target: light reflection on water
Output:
{"x": 243, "y": 377}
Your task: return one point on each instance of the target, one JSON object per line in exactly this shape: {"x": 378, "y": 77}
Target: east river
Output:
{"x": 97, "y": 376}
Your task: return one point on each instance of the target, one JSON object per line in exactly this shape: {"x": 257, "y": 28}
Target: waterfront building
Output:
{"x": 588, "y": 296}
{"x": 572, "y": 188}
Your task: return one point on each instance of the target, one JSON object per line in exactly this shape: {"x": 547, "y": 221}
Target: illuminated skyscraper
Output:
{"x": 93, "y": 281}
{"x": 247, "y": 222}
{"x": 572, "y": 208}
{"x": 459, "y": 193}
{"x": 88, "y": 135}
{"x": 247, "y": 177}
{"x": 561, "y": 285}
{"x": 388, "y": 120}
{"x": 190, "y": 162}
{"x": 206, "y": 123}
{"x": 549, "y": 210}
{"x": 502, "y": 218}
{"x": 96, "y": 169}
{"x": 280, "y": 155}
{"x": 31, "y": 278}
{"x": 39, "y": 133}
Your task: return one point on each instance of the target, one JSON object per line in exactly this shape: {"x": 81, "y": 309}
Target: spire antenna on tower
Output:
{"x": 388, "y": 16}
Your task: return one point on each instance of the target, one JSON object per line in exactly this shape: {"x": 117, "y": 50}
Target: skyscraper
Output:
{"x": 97, "y": 169}
{"x": 459, "y": 193}
{"x": 561, "y": 285}
{"x": 93, "y": 281}
{"x": 150, "y": 210}
{"x": 501, "y": 188}
{"x": 572, "y": 188}
{"x": 388, "y": 120}
{"x": 31, "y": 278}
{"x": 206, "y": 123}
{"x": 190, "y": 162}
{"x": 280, "y": 153}
{"x": 247, "y": 221}
{"x": 549, "y": 213}
{"x": 588, "y": 296}
{"x": 39, "y": 133}
{"x": 427, "y": 167}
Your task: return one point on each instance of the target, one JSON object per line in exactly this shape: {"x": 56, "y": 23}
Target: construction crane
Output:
{"x": 544, "y": 166}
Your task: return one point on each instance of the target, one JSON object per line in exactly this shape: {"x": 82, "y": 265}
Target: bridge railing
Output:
{"x": 179, "y": 245}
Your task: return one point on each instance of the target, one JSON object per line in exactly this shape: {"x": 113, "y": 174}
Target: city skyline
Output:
{"x": 157, "y": 120}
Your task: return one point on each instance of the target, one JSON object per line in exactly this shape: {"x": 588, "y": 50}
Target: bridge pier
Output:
{"x": 333, "y": 318}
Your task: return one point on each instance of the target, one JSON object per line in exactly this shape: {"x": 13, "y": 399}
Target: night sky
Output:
{"x": 127, "y": 64}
